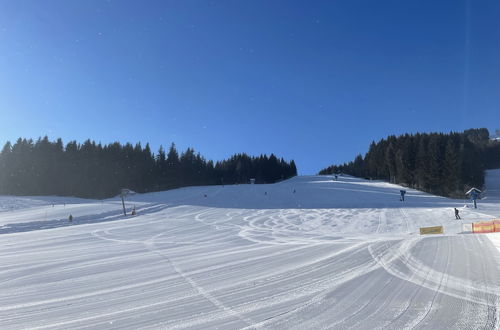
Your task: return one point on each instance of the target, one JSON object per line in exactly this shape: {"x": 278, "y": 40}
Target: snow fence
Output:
{"x": 482, "y": 227}
{"x": 431, "y": 230}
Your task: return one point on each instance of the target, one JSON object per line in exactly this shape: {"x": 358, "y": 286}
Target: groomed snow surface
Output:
{"x": 343, "y": 254}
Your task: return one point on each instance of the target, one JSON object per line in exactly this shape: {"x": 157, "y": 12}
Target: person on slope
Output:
{"x": 457, "y": 216}
{"x": 402, "y": 192}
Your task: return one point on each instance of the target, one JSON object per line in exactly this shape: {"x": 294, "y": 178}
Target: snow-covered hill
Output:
{"x": 309, "y": 252}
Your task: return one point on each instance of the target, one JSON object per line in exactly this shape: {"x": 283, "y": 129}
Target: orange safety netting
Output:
{"x": 486, "y": 226}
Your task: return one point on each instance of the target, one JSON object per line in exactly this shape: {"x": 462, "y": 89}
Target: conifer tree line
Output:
{"x": 93, "y": 170}
{"x": 441, "y": 164}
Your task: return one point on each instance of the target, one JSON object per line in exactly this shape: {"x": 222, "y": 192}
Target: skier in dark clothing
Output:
{"x": 70, "y": 218}
{"x": 402, "y": 198}
{"x": 457, "y": 216}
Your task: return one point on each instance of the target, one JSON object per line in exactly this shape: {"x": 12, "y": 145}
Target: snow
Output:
{"x": 471, "y": 190}
{"x": 334, "y": 254}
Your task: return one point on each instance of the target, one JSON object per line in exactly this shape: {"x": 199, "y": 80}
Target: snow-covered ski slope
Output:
{"x": 340, "y": 254}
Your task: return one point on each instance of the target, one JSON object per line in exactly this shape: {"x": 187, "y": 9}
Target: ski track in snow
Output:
{"x": 340, "y": 254}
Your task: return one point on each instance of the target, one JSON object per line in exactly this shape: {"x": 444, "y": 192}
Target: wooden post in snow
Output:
{"x": 123, "y": 204}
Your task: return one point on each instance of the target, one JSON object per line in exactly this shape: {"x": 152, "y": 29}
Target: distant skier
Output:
{"x": 336, "y": 177}
{"x": 294, "y": 191}
{"x": 70, "y": 218}
{"x": 457, "y": 216}
{"x": 402, "y": 192}
{"x": 133, "y": 211}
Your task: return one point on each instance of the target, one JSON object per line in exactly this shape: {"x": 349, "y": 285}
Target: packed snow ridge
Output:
{"x": 310, "y": 252}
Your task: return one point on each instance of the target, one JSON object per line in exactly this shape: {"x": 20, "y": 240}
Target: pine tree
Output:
{"x": 293, "y": 168}
{"x": 173, "y": 167}
{"x": 390, "y": 160}
{"x": 5, "y": 166}
{"x": 422, "y": 162}
{"x": 451, "y": 169}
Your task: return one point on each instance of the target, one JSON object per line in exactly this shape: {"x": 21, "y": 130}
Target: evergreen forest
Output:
{"x": 93, "y": 170}
{"x": 441, "y": 164}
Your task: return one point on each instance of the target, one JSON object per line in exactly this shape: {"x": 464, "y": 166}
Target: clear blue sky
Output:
{"x": 314, "y": 81}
